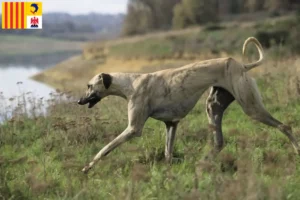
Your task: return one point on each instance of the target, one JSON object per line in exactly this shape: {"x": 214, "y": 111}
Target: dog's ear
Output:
{"x": 107, "y": 79}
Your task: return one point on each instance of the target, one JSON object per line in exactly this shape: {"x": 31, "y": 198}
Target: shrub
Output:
{"x": 214, "y": 27}
{"x": 268, "y": 37}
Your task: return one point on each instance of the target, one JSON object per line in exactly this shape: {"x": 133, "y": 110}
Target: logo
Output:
{"x": 36, "y": 8}
{"x": 22, "y": 15}
{"x": 34, "y": 21}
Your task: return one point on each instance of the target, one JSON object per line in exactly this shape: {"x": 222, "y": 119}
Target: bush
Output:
{"x": 214, "y": 27}
{"x": 294, "y": 39}
{"x": 180, "y": 20}
{"x": 194, "y": 12}
{"x": 267, "y": 38}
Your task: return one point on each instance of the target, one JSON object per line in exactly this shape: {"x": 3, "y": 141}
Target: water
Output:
{"x": 9, "y": 77}
{"x": 15, "y": 84}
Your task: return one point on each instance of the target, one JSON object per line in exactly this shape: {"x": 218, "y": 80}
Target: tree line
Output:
{"x": 148, "y": 15}
{"x": 74, "y": 27}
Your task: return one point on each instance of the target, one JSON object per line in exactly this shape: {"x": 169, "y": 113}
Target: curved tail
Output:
{"x": 260, "y": 51}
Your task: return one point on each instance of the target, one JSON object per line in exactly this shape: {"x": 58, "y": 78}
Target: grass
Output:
{"x": 41, "y": 156}
{"x": 29, "y": 45}
{"x": 196, "y": 43}
{"x": 213, "y": 39}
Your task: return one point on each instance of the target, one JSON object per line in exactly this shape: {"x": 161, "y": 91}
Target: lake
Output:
{"x": 10, "y": 76}
{"x": 15, "y": 83}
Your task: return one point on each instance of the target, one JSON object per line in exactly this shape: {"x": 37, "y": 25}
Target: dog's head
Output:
{"x": 97, "y": 89}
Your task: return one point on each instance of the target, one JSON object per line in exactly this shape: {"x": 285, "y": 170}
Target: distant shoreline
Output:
{"x": 42, "y": 61}
{"x": 38, "y": 51}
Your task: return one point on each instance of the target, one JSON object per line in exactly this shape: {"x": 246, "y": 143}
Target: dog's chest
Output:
{"x": 174, "y": 109}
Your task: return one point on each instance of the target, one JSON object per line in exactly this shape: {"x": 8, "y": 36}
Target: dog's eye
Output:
{"x": 89, "y": 86}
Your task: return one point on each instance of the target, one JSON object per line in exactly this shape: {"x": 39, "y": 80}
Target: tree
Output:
{"x": 147, "y": 15}
{"x": 254, "y": 5}
{"x": 180, "y": 19}
{"x": 236, "y": 6}
{"x": 276, "y": 5}
{"x": 138, "y": 19}
{"x": 166, "y": 12}
{"x": 192, "y": 12}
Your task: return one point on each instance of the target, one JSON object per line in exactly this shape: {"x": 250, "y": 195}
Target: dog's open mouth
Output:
{"x": 93, "y": 100}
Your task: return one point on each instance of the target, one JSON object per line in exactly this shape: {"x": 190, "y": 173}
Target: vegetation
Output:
{"x": 193, "y": 12}
{"x": 145, "y": 16}
{"x": 32, "y": 45}
{"x": 210, "y": 39}
{"x": 41, "y": 155}
{"x": 175, "y": 48}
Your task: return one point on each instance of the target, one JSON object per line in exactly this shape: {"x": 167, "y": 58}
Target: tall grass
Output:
{"x": 41, "y": 155}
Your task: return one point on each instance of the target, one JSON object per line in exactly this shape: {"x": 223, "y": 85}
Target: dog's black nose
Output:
{"x": 80, "y": 101}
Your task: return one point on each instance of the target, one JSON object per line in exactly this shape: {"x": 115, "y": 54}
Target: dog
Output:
{"x": 169, "y": 95}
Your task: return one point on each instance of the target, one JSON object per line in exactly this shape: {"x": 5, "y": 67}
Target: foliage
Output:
{"x": 180, "y": 19}
{"x": 268, "y": 38}
{"x": 284, "y": 33}
{"x": 148, "y": 15}
{"x": 210, "y": 40}
{"x": 254, "y": 5}
{"x": 193, "y": 12}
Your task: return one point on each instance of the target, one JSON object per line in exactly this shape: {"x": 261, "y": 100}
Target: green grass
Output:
{"x": 155, "y": 47}
{"x": 17, "y": 39}
{"x": 202, "y": 41}
{"x": 195, "y": 43}
{"x": 29, "y": 45}
{"x": 41, "y": 157}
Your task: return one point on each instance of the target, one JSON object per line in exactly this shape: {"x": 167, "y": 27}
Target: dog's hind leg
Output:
{"x": 285, "y": 129}
{"x": 251, "y": 102}
{"x": 217, "y": 102}
{"x": 170, "y": 137}
{"x": 261, "y": 115}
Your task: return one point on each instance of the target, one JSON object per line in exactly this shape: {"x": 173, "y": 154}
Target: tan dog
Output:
{"x": 169, "y": 95}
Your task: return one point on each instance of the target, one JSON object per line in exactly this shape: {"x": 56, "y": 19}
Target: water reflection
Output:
{"x": 16, "y": 87}
{"x": 9, "y": 77}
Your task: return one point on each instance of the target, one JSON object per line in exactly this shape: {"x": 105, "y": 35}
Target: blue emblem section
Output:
{"x": 35, "y": 6}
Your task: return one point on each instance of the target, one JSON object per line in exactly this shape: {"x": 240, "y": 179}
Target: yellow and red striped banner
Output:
{"x": 21, "y": 15}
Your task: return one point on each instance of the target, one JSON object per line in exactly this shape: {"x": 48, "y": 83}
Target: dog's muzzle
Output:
{"x": 91, "y": 100}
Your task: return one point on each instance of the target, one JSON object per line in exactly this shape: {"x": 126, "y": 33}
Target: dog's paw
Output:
{"x": 86, "y": 169}
{"x": 285, "y": 128}
{"x": 297, "y": 151}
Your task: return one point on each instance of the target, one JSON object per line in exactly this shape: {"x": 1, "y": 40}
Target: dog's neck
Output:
{"x": 122, "y": 84}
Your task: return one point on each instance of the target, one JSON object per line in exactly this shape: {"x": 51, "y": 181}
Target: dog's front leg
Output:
{"x": 128, "y": 133}
{"x": 137, "y": 117}
{"x": 170, "y": 137}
